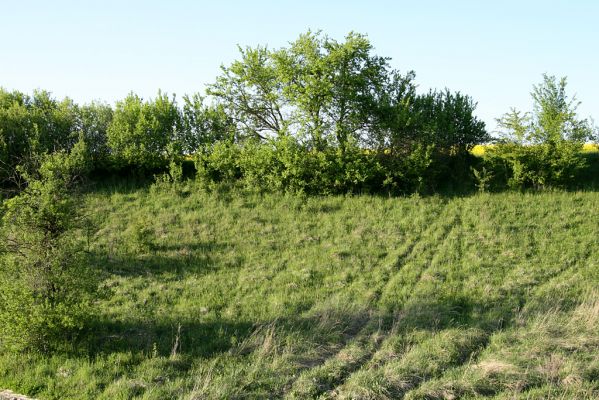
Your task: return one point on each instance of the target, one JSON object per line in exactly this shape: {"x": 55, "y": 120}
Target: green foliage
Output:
{"x": 14, "y": 129}
{"x": 202, "y": 125}
{"x": 409, "y": 171}
{"x": 249, "y": 91}
{"x": 94, "y": 120}
{"x": 554, "y": 114}
{"x": 537, "y": 166}
{"x": 543, "y": 148}
{"x": 219, "y": 163}
{"x": 141, "y": 131}
{"x": 54, "y": 123}
{"x": 447, "y": 121}
{"x": 142, "y": 236}
{"x": 317, "y": 116}
{"x": 31, "y": 126}
{"x": 45, "y": 284}
{"x": 483, "y": 178}
{"x": 283, "y": 164}
{"x": 331, "y": 117}
{"x": 334, "y": 88}
{"x": 321, "y": 91}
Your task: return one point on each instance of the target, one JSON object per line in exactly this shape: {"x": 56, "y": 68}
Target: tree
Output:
{"x": 319, "y": 90}
{"x": 140, "y": 131}
{"x": 553, "y": 118}
{"x": 335, "y": 88}
{"x": 554, "y": 114}
{"x": 30, "y": 126}
{"x": 54, "y": 123}
{"x": 15, "y": 129}
{"x": 543, "y": 147}
{"x": 251, "y": 93}
{"x": 92, "y": 124}
{"x": 515, "y": 125}
{"x": 447, "y": 121}
{"x": 202, "y": 125}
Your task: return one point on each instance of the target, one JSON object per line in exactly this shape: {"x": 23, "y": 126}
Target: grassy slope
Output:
{"x": 229, "y": 295}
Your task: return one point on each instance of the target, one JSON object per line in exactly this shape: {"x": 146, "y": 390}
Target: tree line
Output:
{"x": 330, "y": 116}
{"x": 319, "y": 116}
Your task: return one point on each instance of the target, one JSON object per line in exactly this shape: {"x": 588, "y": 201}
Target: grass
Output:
{"x": 225, "y": 294}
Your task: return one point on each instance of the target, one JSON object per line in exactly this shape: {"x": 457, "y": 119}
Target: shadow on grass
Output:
{"x": 162, "y": 338}
{"x": 192, "y": 258}
{"x": 327, "y": 328}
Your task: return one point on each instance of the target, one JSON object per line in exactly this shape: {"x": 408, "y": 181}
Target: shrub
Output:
{"x": 45, "y": 285}
{"x": 542, "y": 148}
{"x": 202, "y": 125}
{"x": 535, "y": 166}
{"x": 218, "y": 163}
{"x": 140, "y": 132}
{"x": 30, "y": 126}
{"x": 409, "y": 171}
{"x": 94, "y": 120}
{"x": 259, "y": 165}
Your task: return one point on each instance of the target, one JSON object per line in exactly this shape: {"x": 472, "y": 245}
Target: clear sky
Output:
{"x": 492, "y": 50}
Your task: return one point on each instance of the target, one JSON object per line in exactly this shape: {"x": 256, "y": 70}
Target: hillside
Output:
{"x": 228, "y": 294}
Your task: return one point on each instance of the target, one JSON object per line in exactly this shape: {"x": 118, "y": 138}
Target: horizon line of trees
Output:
{"x": 319, "y": 116}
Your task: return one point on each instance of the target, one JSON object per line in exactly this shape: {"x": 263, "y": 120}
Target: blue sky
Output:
{"x": 493, "y": 51}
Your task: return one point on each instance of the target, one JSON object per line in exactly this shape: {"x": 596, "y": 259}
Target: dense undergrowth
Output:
{"x": 225, "y": 293}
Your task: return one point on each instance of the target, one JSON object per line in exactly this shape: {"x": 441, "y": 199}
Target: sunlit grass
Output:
{"x": 226, "y": 294}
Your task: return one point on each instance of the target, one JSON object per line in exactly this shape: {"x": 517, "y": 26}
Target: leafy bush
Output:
{"x": 218, "y": 163}
{"x": 284, "y": 164}
{"x": 45, "y": 285}
{"x": 259, "y": 165}
{"x": 542, "y": 148}
{"x": 141, "y": 131}
{"x": 30, "y": 126}
{"x": 94, "y": 120}
{"x": 536, "y": 166}
{"x": 446, "y": 120}
{"x": 202, "y": 125}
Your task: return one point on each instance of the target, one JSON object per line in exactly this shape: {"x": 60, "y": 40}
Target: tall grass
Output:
{"x": 228, "y": 294}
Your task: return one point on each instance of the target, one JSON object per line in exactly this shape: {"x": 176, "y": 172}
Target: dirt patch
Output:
{"x": 9, "y": 395}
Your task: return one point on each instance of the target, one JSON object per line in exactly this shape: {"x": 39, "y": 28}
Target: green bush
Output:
{"x": 218, "y": 163}
{"x": 45, "y": 284}
{"x": 535, "y": 166}
{"x": 259, "y": 165}
{"x": 542, "y": 148}
{"x": 94, "y": 120}
{"x": 33, "y": 125}
{"x": 202, "y": 125}
{"x": 141, "y": 131}
{"x": 284, "y": 164}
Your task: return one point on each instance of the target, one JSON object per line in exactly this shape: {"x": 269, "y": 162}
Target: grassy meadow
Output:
{"x": 223, "y": 294}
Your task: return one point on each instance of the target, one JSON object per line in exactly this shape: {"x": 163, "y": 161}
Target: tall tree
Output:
{"x": 553, "y": 119}
{"x": 251, "y": 92}
{"x": 554, "y": 113}
{"x": 320, "y": 90}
